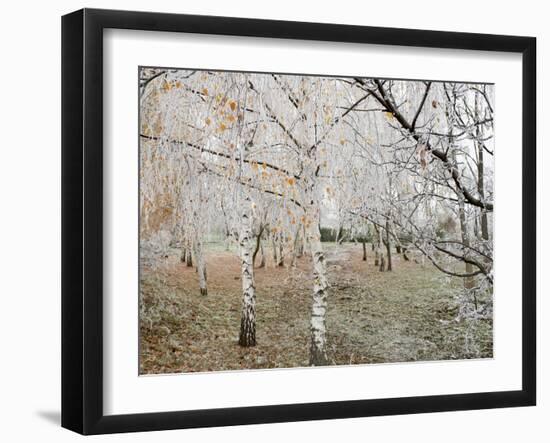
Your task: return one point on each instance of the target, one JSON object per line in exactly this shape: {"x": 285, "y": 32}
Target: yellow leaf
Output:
{"x": 232, "y": 105}
{"x": 205, "y": 91}
{"x": 208, "y": 121}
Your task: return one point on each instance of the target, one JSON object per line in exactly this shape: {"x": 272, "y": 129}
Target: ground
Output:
{"x": 409, "y": 314}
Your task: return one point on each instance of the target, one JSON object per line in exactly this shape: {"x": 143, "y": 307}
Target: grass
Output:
{"x": 409, "y": 314}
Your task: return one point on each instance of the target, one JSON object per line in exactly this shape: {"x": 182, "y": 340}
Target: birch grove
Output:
{"x": 274, "y": 166}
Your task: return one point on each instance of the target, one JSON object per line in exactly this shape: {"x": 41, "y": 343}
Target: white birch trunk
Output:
{"x": 247, "y": 335}
{"x": 468, "y": 281}
{"x": 318, "y": 356}
{"x": 201, "y": 265}
{"x": 379, "y": 261}
{"x": 295, "y": 247}
{"x": 388, "y": 244}
{"x": 281, "y": 261}
{"x": 274, "y": 245}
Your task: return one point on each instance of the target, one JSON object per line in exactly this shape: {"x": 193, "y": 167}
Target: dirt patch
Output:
{"x": 409, "y": 314}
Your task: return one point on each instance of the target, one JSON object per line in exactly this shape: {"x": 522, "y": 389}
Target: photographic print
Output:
{"x": 291, "y": 220}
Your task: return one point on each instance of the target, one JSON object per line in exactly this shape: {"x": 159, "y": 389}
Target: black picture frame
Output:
{"x": 82, "y": 218}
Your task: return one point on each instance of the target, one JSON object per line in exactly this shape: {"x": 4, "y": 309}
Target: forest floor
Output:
{"x": 408, "y": 314}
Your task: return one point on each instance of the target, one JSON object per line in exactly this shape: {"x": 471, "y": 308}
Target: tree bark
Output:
{"x": 189, "y": 258}
{"x": 302, "y": 245}
{"x": 281, "y": 253}
{"x": 318, "y": 356}
{"x": 382, "y": 267}
{"x": 481, "y": 189}
{"x": 247, "y": 336}
{"x": 480, "y": 172}
{"x": 201, "y": 266}
{"x": 274, "y": 244}
{"x": 388, "y": 244}
{"x": 364, "y": 242}
{"x": 258, "y": 245}
{"x": 340, "y": 236}
{"x": 468, "y": 281}
{"x": 295, "y": 247}
{"x": 377, "y": 246}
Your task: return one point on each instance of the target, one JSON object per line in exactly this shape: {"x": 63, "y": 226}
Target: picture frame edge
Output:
{"x": 82, "y": 235}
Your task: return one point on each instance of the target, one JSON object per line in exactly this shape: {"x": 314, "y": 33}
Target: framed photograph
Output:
{"x": 269, "y": 221}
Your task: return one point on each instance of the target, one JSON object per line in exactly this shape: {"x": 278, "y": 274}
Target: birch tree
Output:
{"x": 267, "y": 159}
